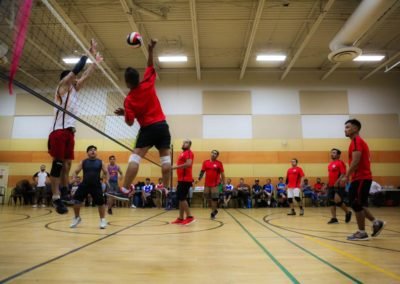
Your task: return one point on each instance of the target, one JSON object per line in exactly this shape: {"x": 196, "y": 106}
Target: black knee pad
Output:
{"x": 357, "y": 207}
{"x": 339, "y": 204}
{"x": 290, "y": 200}
{"x": 56, "y": 168}
{"x": 298, "y": 199}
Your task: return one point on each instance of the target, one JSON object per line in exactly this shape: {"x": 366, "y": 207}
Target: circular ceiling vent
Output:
{"x": 344, "y": 54}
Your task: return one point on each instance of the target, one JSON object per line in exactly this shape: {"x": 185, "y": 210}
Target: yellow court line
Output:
{"x": 355, "y": 258}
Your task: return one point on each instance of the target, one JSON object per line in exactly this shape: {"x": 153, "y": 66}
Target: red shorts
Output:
{"x": 61, "y": 144}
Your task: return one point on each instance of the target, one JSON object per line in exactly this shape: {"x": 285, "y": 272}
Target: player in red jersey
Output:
{"x": 336, "y": 190}
{"x": 214, "y": 171}
{"x": 142, "y": 103}
{"x": 294, "y": 179}
{"x": 185, "y": 181}
{"x": 361, "y": 179}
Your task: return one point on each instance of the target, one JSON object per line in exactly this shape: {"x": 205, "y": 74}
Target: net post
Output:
{"x": 171, "y": 180}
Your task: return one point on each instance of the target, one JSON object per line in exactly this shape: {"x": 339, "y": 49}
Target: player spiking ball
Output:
{"x": 142, "y": 103}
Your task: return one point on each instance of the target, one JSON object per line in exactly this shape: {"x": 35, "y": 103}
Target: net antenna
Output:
{"x": 49, "y": 39}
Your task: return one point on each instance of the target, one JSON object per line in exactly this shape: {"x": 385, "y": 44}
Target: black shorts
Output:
{"x": 359, "y": 192}
{"x": 93, "y": 189}
{"x": 182, "y": 190}
{"x": 341, "y": 191}
{"x": 156, "y": 134}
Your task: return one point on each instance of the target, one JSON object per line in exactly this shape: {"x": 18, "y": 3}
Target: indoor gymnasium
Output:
{"x": 199, "y": 141}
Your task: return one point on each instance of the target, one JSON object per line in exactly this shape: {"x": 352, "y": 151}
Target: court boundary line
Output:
{"x": 337, "y": 269}
{"x": 32, "y": 268}
{"x": 266, "y": 251}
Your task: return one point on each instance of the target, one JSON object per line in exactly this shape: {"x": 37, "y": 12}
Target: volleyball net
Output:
{"x": 52, "y": 44}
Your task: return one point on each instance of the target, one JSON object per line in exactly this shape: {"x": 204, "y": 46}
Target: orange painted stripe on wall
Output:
{"x": 234, "y": 157}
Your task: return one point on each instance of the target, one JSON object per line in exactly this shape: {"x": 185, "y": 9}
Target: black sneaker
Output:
{"x": 60, "y": 207}
{"x": 358, "y": 236}
{"x": 377, "y": 227}
{"x": 333, "y": 221}
{"x": 215, "y": 212}
{"x": 109, "y": 211}
{"x": 118, "y": 195}
{"x": 348, "y": 216}
{"x": 292, "y": 213}
{"x": 212, "y": 216}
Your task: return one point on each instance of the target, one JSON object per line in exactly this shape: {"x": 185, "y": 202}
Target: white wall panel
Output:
{"x": 7, "y": 102}
{"x": 33, "y": 127}
{"x": 275, "y": 101}
{"x": 227, "y": 126}
{"x": 92, "y": 102}
{"x": 181, "y": 100}
{"x": 374, "y": 101}
{"x": 323, "y": 126}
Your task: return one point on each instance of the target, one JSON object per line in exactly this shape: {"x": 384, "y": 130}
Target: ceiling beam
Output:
{"x": 128, "y": 12}
{"x": 253, "y": 32}
{"x": 308, "y": 37}
{"x": 74, "y": 29}
{"x": 195, "y": 33}
{"x": 387, "y": 62}
{"x": 365, "y": 36}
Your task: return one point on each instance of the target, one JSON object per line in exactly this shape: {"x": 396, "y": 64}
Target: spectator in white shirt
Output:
{"x": 40, "y": 179}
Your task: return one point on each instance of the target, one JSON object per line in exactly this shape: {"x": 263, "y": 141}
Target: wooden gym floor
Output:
{"x": 241, "y": 246}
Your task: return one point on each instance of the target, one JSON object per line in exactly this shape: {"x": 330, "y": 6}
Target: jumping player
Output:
{"x": 92, "y": 168}
{"x": 61, "y": 139}
{"x": 361, "y": 179}
{"x": 214, "y": 171}
{"x": 142, "y": 103}
{"x": 185, "y": 181}
{"x": 336, "y": 192}
{"x": 294, "y": 179}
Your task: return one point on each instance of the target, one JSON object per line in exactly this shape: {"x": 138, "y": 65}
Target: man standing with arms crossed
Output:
{"x": 214, "y": 171}
{"x": 185, "y": 181}
{"x": 361, "y": 179}
{"x": 336, "y": 190}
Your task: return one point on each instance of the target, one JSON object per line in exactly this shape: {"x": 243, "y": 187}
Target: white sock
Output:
{"x": 56, "y": 196}
{"x": 362, "y": 231}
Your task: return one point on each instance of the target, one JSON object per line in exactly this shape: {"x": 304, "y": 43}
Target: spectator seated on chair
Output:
{"x": 268, "y": 193}
{"x": 281, "y": 193}
{"x": 256, "y": 191}
{"x": 28, "y": 193}
{"x": 243, "y": 193}
{"x": 147, "y": 197}
{"x": 317, "y": 190}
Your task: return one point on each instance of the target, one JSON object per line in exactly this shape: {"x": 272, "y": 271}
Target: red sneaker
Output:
{"x": 188, "y": 221}
{"x": 178, "y": 221}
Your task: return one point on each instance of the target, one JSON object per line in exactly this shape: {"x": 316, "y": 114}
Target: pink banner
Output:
{"x": 21, "y": 25}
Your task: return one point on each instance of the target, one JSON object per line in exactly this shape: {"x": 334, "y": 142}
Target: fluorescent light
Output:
{"x": 180, "y": 58}
{"x": 271, "y": 57}
{"x": 369, "y": 58}
{"x": 73, "y": 60}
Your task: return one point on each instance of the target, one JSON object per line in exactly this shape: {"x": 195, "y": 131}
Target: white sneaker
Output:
{"x": 103, "y": 223}
{"x": 34, "y": 206}
{"x": 75, "y": 222}
{"x": 133, "y": 206}
{"x": 43, "y": 206}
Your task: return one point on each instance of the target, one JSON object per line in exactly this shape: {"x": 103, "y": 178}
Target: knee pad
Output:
{"x": 298, "y": 199}
{"x": 290, "y": 200}
{"x": 356, "y": 207}
{"x": 339, "y": 204}
{"x": 134, "y": 158}
{"x": 56, "y": 168}
{"x": 165, "y": 160}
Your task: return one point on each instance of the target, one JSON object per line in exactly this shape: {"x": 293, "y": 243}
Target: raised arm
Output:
{"x": 151, "y": 46}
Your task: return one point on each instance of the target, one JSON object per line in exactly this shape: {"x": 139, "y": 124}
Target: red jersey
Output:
{"x": 293, "y": 177}
{"x": 363, "y": 170}
{"x": 142, "y": 102}
{"x": 318, "y": 187}
{"x": 185, "y": 174}
{"x": 213, "y": 170}
{"x": 336, "y": 168}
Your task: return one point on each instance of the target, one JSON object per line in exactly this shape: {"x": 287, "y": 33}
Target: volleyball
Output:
{"x": 134, "y": 39}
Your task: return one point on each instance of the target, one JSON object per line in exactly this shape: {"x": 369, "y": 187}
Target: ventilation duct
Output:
{"x": 366, "y": 14}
